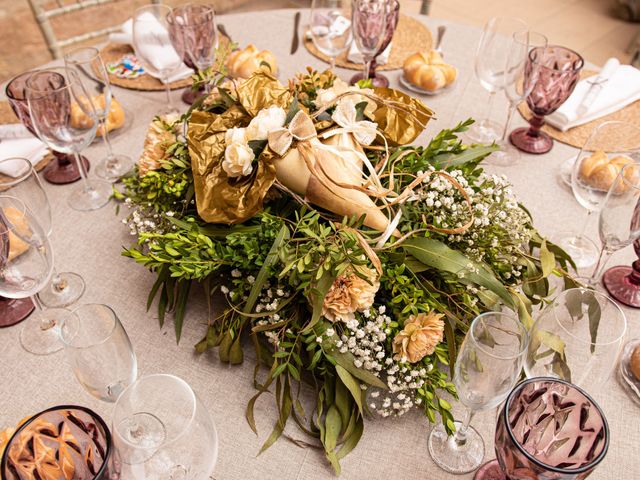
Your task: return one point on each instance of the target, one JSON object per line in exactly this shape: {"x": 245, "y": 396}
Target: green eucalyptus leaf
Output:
{"x": 352, "y": 384}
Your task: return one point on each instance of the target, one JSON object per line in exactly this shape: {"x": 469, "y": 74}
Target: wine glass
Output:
{"x": 99, "y": 351}
{"x": 490, "y": 61}
{"x": 577, "y": 338}
{"x": 87, "y": 62}
{"x": 161, "y": 429}
{"x": 153, "y": 46}
{"x": 52, "y": 114}
{"x": 487, "y": 368}
{"x": 330, "y": 27}
{"x": 66, "y": 287}
{"x": 548, "y": 428}
{"x": 64, "y": 169}
{"x": 556, "y": 75}
{"x": 520, "y": 46}
{"x": 592, "y": 175}
{"x": 369, "y": 20}
{"x": 193, "y": 33}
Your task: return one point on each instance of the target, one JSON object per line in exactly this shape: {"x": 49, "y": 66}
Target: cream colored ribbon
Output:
{"x": 345, "y": 115}
{"x": 300, "y": 127}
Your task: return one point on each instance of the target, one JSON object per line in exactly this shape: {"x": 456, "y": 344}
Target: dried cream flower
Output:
{"x": 350, "y": 293}
{"x": 156, "y": 143}
{"x": 419, "y": 337}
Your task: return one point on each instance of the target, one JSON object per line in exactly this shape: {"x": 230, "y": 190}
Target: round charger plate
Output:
{"x": 415, "y": 89}
{"x": 627, "y": 379}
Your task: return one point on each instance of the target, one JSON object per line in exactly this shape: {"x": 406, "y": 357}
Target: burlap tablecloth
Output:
{"x": 91, "y": 244}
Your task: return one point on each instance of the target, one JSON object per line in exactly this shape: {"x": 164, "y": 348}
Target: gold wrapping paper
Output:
{"x": 401, "y": 117}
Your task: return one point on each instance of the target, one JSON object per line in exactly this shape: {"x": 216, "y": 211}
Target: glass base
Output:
{"x": 490, "y": 471}
{"x": 617, "y": 281}
{"x": 506, "y": 156}
{"x": 454, "y": 458}
{"x": 63, "y": 169}
{"x": 486, "y": 131}
{"x": 96, "y": 196}
{"x": 582, "y": 250}
{"x": 378, "y": 79}
{"x": 68, "y": 290}
{"x": 537, "y": 144}
{"x": 14, "y": 310}
{"x": 114, "y": 167}
{"x": 41, "y": 332}
{"x": 189, "y": 96}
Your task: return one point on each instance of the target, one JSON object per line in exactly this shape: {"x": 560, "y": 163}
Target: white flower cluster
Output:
{"x": 145, "y": 220}
{"x": 269, "y": 301}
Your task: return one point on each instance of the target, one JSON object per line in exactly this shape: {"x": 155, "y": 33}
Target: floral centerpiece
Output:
{"x": 352, "y": 260}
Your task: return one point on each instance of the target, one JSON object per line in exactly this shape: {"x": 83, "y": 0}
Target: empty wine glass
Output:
{"x": 548, "y": 428}
{"x": 554, "y": 77}
{"x": 490, "y": 61}
{"x": 369, "y": 20}
{"x": 487, "y": 368}
{"x": 193, "y": 33}
{"x": 64, "y": 169}
{"x": 330, "y": 27}
{"x": 593, "y": 172}
{"x": 52, "y": 114}
{"x": 65, "y": 287}
{"x": 153, "y": 47}
{"x": 162, "y": 430}
{"x": 99, "y": 351}
{"x": 87, "y": 62}
{"x": 520, "y": 46}
{"x": 577, "y": 338}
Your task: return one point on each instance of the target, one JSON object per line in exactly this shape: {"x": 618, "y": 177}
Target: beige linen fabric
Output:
{"x": 91, "y": 244}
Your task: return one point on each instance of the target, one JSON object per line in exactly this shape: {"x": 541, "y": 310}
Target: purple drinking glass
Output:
{"x": 64, "y": 169}
{"x": 67, "y": 441}
{"x": 392, "y": 17}
{"x": 556, "y": 75}
{"x": 369, "y": 24}
{"x": 547, "y": 429}
{"x": 192, "y": 30}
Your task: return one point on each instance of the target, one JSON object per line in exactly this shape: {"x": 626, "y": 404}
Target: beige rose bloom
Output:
{"x": 419, "y": 337}
{"x": 156, "y": 142}
{"x": 238, "y": 160}
{"x": 349, "y": 294}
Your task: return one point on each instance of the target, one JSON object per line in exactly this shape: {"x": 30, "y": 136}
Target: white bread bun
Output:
{"x": 243, "y": 63}
{"x": 428, "y": 71}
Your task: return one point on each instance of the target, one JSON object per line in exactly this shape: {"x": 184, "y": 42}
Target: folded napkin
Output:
{"x": 30, "y": 148}
{"x": 156, "y": 46}
{"x": 621, "y": 89}
{"x": 356, "y": 57}
{"x": 14, "y": 130}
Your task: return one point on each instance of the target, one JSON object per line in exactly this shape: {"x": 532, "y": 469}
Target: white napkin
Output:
{"x": 356, "y": 57}
{"x": 14, "y": 130}
{"x": 621, "y": 89}
{"x": 30, "y": 148}
{"x": 157, "y": 46}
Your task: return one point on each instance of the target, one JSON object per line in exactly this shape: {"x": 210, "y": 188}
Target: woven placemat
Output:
{"x": 577, "y": 136}
{"x": 410, "y": 36}
{"x": 113, "y": 52}
{"x": 8, "y": 117}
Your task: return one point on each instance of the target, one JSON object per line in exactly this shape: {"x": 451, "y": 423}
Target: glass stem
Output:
{"x": 492, "y": 96}
{"x": 603, "y": 258}
{"x": 512, "y": 109}
{"x": 83, "y": 172}
{"x": 460, "y": 437}
{"x": 167, "y": 91}
{"x": 56, "y": 282}
{"x": 332, "y": 63}
{"x": 105, "y": 136}
{"x": 45, "y": 323}
{"x": 585, "y": 224}
{"x": 367, "y": 68}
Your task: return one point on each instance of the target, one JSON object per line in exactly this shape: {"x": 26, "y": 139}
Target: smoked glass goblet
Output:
{"x": 557, "y": 71}
{"x": 547, "y": 429}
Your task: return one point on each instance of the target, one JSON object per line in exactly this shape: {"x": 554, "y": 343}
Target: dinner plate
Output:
{"x": 565, "y": 170}
{"x": 415, "y": 89}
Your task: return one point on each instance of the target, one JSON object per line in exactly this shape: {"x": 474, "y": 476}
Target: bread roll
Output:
{"x": 428, "y": 71}
{"x": 599, "y": 171}
{"x": 243, "y": 63}
{"x": 115, "y": 119}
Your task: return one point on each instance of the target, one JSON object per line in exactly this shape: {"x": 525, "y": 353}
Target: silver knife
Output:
{"x": 295, "y": 42}
{"x": 597, "y": 84}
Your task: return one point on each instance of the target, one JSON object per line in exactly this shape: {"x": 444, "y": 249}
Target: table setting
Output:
{"x": 274, "y": 268}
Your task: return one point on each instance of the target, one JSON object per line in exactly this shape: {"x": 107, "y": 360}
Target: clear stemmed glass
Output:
{"x": 51, "y": 114}
{"x": 99, "y": 351}
{"x": 369, "y": 21}
{"x": 491, "y": 57}
{"x": 161, "y": 429}
{"x": 153, "y": 47}
{"x": 193, "y": 33}
{"x": 591, "y": 179}
{"x": 487, "y": 368}
{"x": 577, "y": 338}
{"x": 87, "y": 62}
{"x": 330, "y": 27}
{"x": 548, "y": 428}
{"x": 619, "y": 222}
{"x": 514, "y": 89}
{"x": 65, "y": 287}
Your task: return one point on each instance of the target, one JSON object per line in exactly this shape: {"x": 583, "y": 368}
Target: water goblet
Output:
{"x": 64, "y": 169}
{"x": 162, "y": 430}
{"x": 554, "y": 72}
{"x": 489, "y": 66}
{"x": 369, "y": 21}
{"x": 330, "y": 27}
{"x": 87, "y": 62}
{"x": 487, "y": 368}
{"x": 548, "y": 428}
{"x": 193, "y": 33}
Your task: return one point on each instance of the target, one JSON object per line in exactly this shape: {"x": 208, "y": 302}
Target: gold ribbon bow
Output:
{"x": 300, "y": 127}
